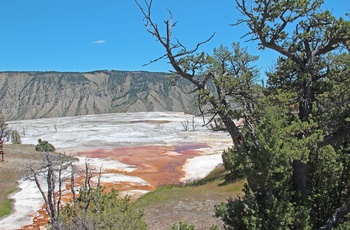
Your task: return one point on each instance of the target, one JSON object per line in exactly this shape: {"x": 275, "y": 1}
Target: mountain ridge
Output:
{"x": 44, "y": 94}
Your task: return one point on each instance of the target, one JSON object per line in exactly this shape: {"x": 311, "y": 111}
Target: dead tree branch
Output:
{"x": 190, "y": 66}
{"x": 336, "y": 216}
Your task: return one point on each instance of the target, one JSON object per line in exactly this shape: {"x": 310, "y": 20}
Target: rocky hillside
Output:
{"x": 27, "y": 95}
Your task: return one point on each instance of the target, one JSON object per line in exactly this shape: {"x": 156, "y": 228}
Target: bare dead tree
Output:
{"x": 4, "y": 133}
{"x": 72, "y": 182}
{"x": 185, "y": 125}
{"x": 23, "y": 130}
{"x": 188, "y": 65}
{"x": 52, "y": 173}
{"x": 50, "y": 179}
{"x": 189, "y": 125}
{"x": 193, "y": 124}
{"x": 86, "y": 195}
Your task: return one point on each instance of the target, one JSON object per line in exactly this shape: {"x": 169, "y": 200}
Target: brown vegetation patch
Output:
{"x": 17, "y": 160}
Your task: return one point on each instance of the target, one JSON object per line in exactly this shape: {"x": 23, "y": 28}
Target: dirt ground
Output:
{"x": 198, "y": 212}
{"x": 18, "y": 159}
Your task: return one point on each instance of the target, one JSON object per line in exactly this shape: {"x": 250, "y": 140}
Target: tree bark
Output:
{"x": 232, "y": 129}
{"x": 336, "y": 216}
{"x": 300, "y": 170}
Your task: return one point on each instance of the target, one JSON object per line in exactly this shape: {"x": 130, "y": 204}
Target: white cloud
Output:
{"x": 99, "y": 42}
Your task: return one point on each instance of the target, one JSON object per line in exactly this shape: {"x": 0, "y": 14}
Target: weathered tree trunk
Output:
{"x": 4, "y": 132}
{"x": 300, "y": 169}
{"x": 232, "y": 129}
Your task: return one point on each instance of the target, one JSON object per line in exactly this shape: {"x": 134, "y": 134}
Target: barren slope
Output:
{"x": 27, "y": 95}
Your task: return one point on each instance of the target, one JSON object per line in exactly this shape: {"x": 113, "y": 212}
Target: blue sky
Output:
{"x": 88, "y": 35}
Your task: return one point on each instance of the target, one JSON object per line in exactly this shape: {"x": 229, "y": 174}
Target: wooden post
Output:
{"x": 2, "y": 150}
{"x": 3, "y": 134}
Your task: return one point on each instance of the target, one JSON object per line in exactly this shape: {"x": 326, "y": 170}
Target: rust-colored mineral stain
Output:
{"x": 39, "y": 221}
{"x": 157, "y": 122}
{"x": 157, "y": 165}
{"x": 154, "y": 163}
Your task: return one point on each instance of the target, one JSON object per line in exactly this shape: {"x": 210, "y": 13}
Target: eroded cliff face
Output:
{"x": 27, "y": 95}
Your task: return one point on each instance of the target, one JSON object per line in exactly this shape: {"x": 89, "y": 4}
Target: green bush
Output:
{"x": 182, "y": 226}
{"x": 44, "y": 146}
{"x": 97, "y": 210}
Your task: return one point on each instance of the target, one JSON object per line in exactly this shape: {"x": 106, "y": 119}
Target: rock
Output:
{"x": 28, "y": 95}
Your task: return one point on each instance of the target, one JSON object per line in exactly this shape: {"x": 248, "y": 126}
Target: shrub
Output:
{"x": 44, "y": 146}
{"x": 15, "y": 137}
{"x": 185, "y": 226}
{"x": 95, "y": 209}
{"x": 182, "y": 226}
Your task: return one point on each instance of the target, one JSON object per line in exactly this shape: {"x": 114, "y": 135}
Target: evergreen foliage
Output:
{"x": 181, "y": 226}
{"x": 44, "y": 146}
{"x": 16, "y": 137}
{"x": 295, "y": 154}
{"x": 95, "y": 209}
{"x": 185, "y": 226}
{"x": 294, "y": 149}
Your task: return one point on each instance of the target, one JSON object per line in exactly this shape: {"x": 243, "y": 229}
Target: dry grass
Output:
{"x": 193, "y": 204}
{"x": 18, "y": 158}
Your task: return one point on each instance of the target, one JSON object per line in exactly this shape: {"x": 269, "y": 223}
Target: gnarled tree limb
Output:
{"x": 336, "y": 216}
